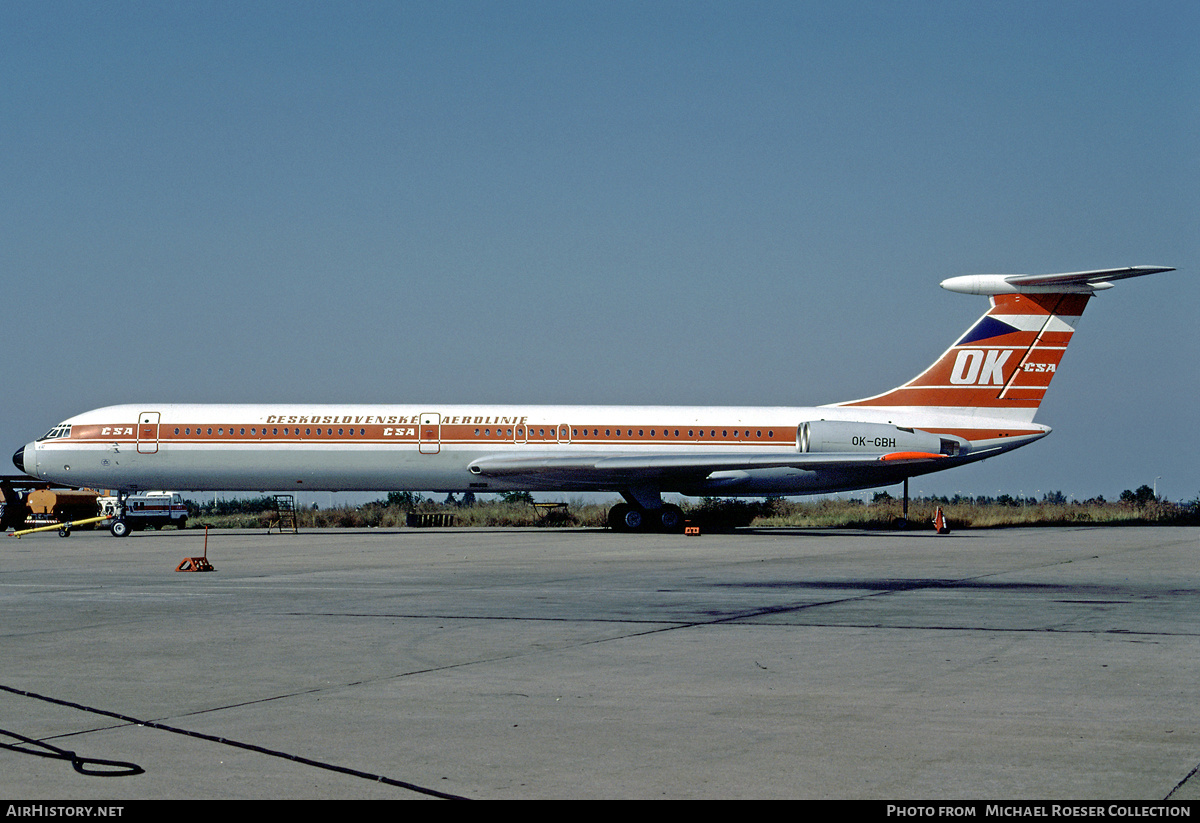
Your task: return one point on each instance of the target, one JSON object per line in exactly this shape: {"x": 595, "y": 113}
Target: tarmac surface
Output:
{"x": 537, "y": 663}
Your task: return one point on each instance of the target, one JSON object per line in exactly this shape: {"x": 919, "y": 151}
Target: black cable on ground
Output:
{"x": 83, "y": 765}
{"x": 376, "y": 778}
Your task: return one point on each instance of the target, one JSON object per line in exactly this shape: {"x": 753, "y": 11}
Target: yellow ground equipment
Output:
{"x": 64, "y": 529}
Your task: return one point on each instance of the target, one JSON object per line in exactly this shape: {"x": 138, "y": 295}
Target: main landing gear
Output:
{"x": 627, "y": 517}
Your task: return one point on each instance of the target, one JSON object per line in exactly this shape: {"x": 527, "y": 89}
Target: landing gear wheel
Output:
{"x": 670, "y": 519}
{"x": 119, "y": 528}
{"x": 625, "y": 518}
{"x": 615, "y": 517}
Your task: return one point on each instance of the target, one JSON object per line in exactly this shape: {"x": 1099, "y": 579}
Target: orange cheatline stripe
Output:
{"x": 458, "y": 434}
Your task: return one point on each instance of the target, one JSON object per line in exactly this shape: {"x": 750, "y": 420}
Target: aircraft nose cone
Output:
{"x": 19, "y": 459}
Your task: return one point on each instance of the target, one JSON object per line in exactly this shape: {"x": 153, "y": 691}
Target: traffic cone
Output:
{"x": 939, "y": 522}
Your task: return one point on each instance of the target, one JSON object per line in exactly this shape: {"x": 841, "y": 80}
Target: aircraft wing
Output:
{"x": 647, "y": 468}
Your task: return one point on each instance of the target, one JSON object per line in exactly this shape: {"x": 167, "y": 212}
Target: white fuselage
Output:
{"x": 431, "y": 447}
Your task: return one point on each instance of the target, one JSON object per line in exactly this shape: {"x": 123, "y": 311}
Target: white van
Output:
{"x": 149, "y": 510}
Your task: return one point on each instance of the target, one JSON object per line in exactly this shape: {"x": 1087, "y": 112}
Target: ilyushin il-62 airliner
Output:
{"x": 977, "y": 400}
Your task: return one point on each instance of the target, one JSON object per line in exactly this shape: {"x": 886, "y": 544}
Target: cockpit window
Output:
{"x": 58, "y": 432}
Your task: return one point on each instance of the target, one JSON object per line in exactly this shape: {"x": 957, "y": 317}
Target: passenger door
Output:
{"x": 429, "y": 434}
{"x": 147, "y": 433}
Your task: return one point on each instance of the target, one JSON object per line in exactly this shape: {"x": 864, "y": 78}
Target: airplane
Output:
{"x": 977, "y": 400}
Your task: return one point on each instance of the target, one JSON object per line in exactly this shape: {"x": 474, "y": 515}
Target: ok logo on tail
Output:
{"x": 976, "y": 367}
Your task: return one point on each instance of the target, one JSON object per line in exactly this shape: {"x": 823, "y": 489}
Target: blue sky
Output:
{"x": 683, "y": 203}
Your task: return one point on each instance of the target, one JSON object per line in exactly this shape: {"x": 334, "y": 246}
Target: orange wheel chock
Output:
{"x": 197, "y": 564}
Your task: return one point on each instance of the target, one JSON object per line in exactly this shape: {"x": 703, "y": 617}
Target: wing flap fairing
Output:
{"x": 630, "y": 467}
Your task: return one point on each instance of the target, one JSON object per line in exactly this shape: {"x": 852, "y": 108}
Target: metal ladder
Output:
{"x": 285, "y": 506}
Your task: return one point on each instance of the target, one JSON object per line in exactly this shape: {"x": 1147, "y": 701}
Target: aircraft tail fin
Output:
{"x": 1002, "y": 366}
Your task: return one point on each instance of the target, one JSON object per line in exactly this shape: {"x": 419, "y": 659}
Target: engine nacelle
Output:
{"x": 848, "y": 436}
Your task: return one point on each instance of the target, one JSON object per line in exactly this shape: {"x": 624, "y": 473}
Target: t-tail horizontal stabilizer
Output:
{"x": 1076, "y": 282}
